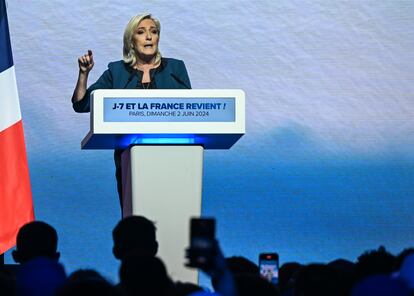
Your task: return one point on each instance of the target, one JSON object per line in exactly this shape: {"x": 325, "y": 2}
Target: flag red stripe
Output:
{"x": 15, "y": 195}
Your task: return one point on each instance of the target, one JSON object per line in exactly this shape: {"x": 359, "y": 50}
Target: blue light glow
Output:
{"x": 165, "y": 141}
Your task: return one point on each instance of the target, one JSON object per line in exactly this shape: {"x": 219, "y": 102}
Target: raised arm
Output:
{"x": 85, "y": 63}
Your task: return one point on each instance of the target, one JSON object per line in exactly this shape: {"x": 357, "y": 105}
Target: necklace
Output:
{"x": 145, "y": 85}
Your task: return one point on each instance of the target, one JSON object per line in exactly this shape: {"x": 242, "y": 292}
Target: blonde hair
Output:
{"x": 129, "y": 53}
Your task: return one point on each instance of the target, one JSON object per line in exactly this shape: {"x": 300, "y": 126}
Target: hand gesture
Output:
{"x": 86, "y": 62}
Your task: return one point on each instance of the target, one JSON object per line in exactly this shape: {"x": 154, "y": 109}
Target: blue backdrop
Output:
{"x": 326, "y": 167}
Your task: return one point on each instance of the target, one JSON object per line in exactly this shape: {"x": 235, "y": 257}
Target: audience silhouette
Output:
{"x": 401, "y": 257}
{"x": 248, "y": 284}
{"x": 241, "y": 265}
{"x": 376, "y": 272}
{"x": 36, "y": 239}
{"x": 134, "y": 234}
{"x": 287, "y": 273}
{"x": 145, "y": 275}
{"x": 380, "y": 285}
{"x": 87, "y": 282}
{"x": 318, "y": 279}
{"x": 40, "y": 276}
{"x": 7, "y": 282}
{"x": 237, "y": 265}
{"x": 374, "y": 262}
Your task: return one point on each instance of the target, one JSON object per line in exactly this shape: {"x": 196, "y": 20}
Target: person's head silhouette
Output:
{"x": 134, "y": 234}
{"x": 145, "y": 275}
{"x": 36, "y": 239}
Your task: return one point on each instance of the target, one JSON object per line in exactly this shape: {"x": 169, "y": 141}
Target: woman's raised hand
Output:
{"x": 85, "y": 65}
{"x": 86, "y": 62}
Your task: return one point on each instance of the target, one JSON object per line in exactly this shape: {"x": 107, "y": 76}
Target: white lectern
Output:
{"x": 164, "y": 134}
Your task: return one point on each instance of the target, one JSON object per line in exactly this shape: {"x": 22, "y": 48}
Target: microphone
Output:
{"x": 180, "y": 81}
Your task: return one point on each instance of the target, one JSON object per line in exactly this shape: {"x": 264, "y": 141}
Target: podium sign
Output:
{"x": 169, "y": 110}
{"x": 214, "y": 119}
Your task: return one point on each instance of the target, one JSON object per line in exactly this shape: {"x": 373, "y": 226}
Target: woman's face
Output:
{"x": 145, "y": 39}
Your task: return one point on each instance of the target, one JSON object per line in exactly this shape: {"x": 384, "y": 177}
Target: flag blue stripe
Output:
{"x": 6, "y": 57}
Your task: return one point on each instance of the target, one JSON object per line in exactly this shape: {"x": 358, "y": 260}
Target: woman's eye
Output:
{"x": 140, "y": 32}
{"x": 154, "y": 32}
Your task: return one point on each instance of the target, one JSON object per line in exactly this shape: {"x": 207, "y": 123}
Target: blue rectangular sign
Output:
{"x": 169, "y": 109}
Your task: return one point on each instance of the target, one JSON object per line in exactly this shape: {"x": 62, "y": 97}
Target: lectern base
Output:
{"x": 164, "y": 183}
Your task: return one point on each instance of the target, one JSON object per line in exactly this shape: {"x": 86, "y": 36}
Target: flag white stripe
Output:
{"x": 9, "y": 99}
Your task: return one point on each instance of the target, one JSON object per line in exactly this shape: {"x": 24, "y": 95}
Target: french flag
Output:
{"x": 16, "y": 207}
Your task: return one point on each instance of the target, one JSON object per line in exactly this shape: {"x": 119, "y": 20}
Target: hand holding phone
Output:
{"x": 202, "y": 243}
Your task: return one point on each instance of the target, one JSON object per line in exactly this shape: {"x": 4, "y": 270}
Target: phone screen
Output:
{"x": 202, "y": 233}
{"x": 269, "y": 268}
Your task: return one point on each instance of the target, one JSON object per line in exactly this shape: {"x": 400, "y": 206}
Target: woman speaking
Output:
{"x": 142, "y": 67}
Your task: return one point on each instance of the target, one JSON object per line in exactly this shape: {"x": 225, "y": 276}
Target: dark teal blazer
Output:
{"x": 171, "y": 74}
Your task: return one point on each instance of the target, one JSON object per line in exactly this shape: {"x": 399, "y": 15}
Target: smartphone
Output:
{"x": 202, "y": 239}
{"x": 269, "y": 267}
